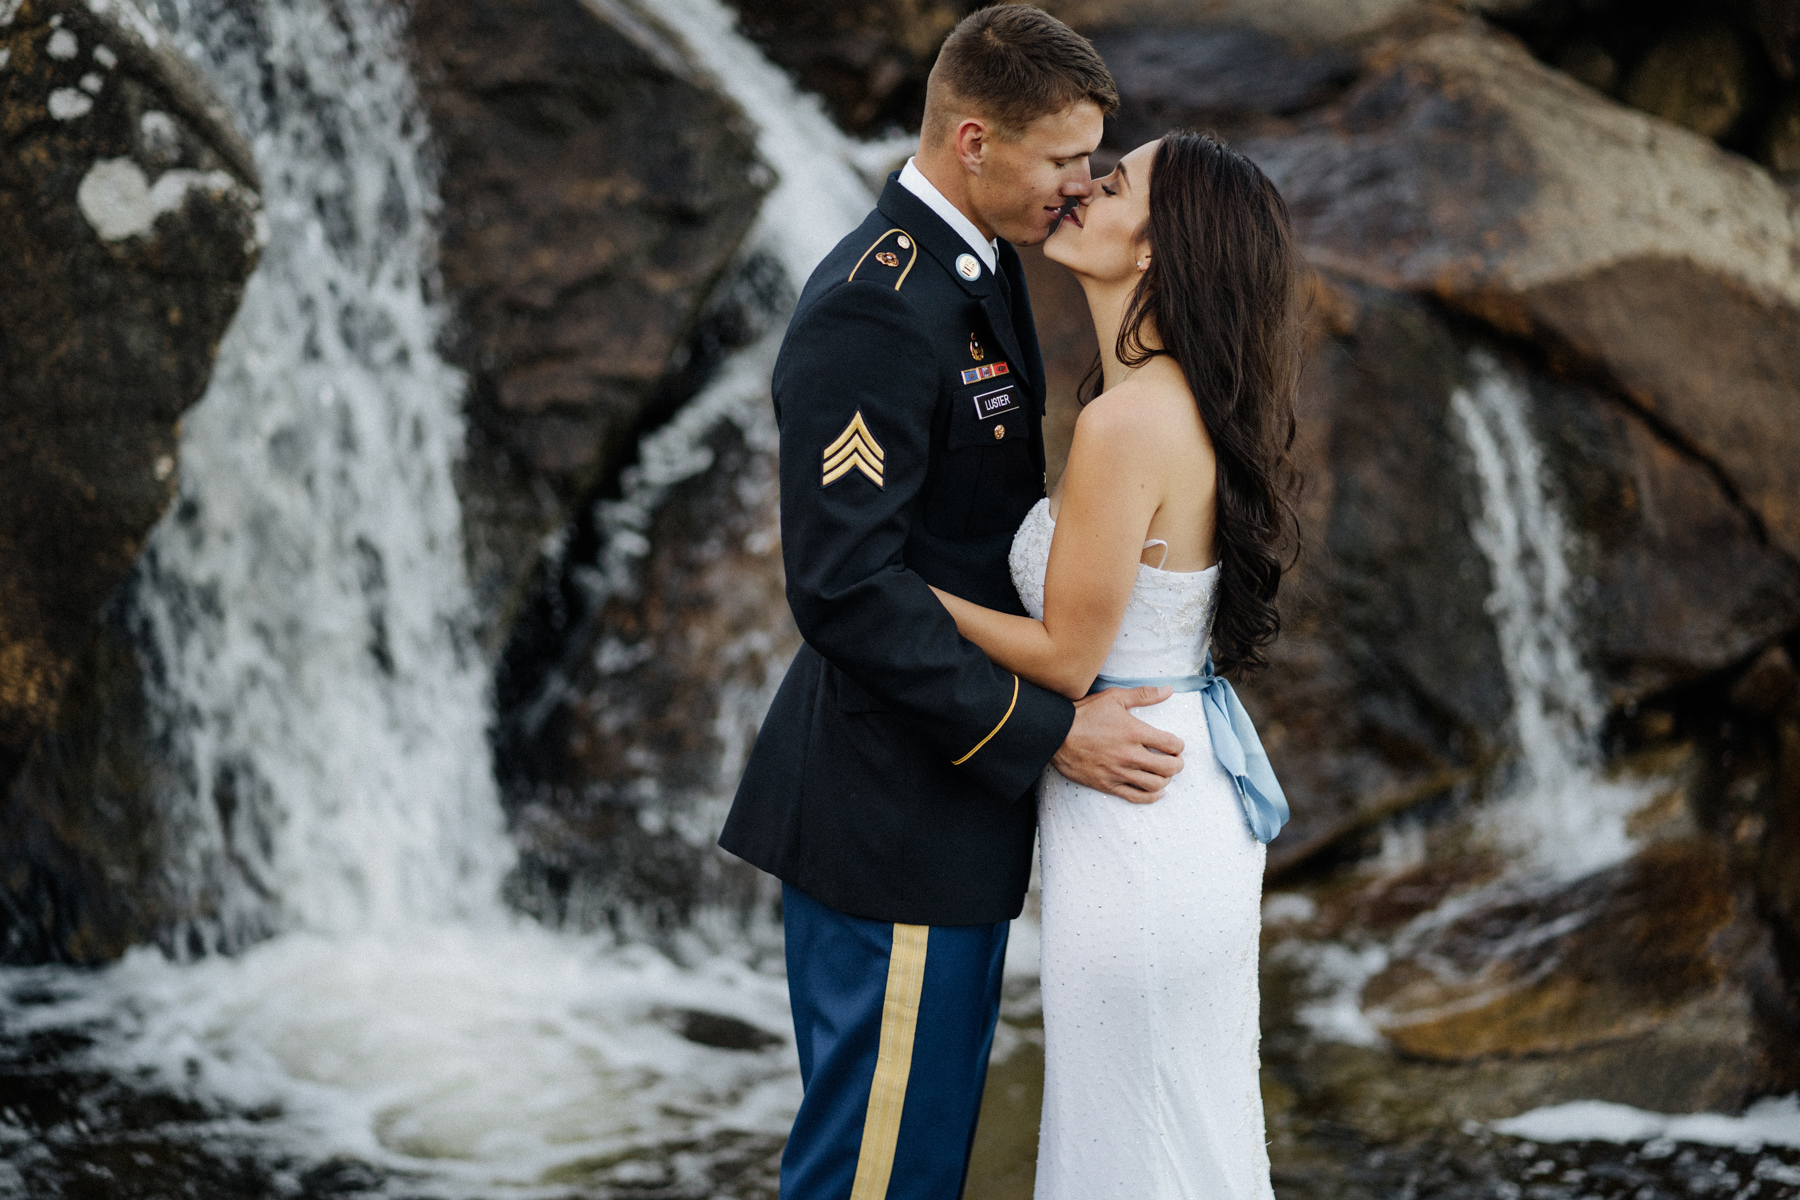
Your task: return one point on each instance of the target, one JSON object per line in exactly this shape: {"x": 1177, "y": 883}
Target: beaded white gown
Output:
{"x": 1151, "y": 921}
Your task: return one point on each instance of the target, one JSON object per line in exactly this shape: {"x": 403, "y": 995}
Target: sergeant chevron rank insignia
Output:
{"x": 854, "y": 449}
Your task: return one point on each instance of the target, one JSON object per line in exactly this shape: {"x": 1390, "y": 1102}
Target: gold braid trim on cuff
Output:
{"x": 996, "y": 729}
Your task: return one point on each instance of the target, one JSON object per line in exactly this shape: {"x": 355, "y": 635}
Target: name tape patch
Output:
{"x": 977, "y": 374}
{"x": 996, "y": 402}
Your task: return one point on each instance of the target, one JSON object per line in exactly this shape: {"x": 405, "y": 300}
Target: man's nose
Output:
{"x": 1080, "y": 187}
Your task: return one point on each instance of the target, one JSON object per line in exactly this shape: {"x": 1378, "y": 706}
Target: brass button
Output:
{"x": 999, "y": 432}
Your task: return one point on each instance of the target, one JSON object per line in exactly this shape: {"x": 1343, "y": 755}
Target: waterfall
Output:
{"x": 306, "y": 625}
{"x": 306, "y": 607}
{"x": 1558, "y": 810}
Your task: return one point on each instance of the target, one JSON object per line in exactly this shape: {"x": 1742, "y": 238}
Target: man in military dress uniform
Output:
{"x": 890, "y": 786}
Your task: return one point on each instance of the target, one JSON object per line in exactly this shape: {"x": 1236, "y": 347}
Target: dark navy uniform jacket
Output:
{"x": 892, "y": 777}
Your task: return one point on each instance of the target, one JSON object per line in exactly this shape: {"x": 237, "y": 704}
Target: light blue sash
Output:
{"x": 1234, "y": 741}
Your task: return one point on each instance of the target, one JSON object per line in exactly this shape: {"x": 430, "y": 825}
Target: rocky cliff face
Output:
{"x": 131, "y": 218}
{"x": 594, "y": 188}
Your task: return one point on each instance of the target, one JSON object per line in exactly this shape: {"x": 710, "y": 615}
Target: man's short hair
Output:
{"x": 1009, "y": 65}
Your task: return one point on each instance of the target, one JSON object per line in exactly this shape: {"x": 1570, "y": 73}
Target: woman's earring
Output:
{"x": 1142, "y": 262}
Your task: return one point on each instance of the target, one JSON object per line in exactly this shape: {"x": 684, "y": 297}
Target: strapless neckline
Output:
{"x": 1167, "y": 620}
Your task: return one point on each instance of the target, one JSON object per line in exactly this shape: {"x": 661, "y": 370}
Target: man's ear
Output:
{"x": 972, "y": 136}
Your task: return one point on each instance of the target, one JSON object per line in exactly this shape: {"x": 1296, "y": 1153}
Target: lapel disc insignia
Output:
{"x": 967, "y": 267}
{"x": 855, "y": 449}
{"x": 975, "y": 350}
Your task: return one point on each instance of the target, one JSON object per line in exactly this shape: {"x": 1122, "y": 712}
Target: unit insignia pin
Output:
{"x": 975, "y": 350}
{"x": 887, "y": 258}
{"x": 967, "y": 267}
{"x": 999, "y": 432}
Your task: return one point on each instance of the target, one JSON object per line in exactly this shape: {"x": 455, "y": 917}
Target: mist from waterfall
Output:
{"x": 307, "y": 646}
{"x": 1556, "y": 808}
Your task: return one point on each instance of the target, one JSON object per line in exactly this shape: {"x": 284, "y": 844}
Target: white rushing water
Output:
{"x": 1558, "y": 810}
{"x": 306, "y": 599}
{"x": 314, "y": 676}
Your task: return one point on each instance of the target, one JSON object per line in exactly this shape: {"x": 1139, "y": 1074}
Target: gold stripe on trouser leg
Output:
{"x": 893, "y": 1063}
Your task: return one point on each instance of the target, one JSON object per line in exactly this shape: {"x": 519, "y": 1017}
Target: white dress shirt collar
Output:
{"x": 914, "y": 181}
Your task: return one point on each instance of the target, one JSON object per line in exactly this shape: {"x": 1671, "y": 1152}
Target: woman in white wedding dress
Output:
{"x": 1159, "y": 556}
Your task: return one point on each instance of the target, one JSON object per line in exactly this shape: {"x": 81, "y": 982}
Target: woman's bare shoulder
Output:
{"x": 1142, "y": 411}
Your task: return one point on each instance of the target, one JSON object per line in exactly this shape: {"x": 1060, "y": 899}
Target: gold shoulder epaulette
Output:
{"x": 891, "y": 257}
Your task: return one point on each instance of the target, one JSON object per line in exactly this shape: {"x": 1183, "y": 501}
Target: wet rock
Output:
{"x": 1235, "y": 80}
{"x": 1780, "y": 872}
{"x": 1777, "y": 25}
{"x": 619, "y": 759}
{"x": 1461, "y": 167}
{"x": 867, "y": 62}
{"x": 1699, "y": 76}
{"x": 718, "y": 1030}
{"x": 84, "y": 873}
{"x": 129, "y": 210}
{"x": 1781, "y": 147}
{"x": 1678, "y": 581}
{"x": 594, "y": 190}
{"x": 1312, "y": 20}
{"x": 1767, "y": 684}
{"x": 1664, "y": 951}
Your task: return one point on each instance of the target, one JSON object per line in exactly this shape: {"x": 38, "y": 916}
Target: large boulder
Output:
{"x": 129, "y": 209}
{"x": 1234, "y": 80}
{"x": 1463, "y": 168}
{"x": 594, "y": 189}
{"x": 867, "y": 62}
{"x": 1650, "y": 984}
{"x": 1311, "y": 20}
{"x": 1663, "y": 952}
{"x": 1457, "y": 167}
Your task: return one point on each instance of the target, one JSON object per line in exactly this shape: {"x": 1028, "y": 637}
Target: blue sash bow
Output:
{"x": 1234, "y": 741}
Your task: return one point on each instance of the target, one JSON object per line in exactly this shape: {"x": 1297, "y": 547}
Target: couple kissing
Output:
{"x": 984, "y": 665}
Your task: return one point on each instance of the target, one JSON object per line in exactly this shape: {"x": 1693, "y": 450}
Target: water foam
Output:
{"x": 1772, "y": 1121}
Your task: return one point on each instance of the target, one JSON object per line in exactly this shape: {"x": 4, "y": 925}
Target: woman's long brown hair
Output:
{"x": 1221, "y": 296}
